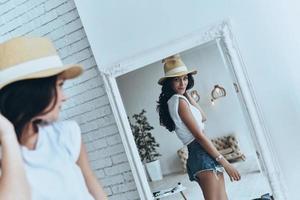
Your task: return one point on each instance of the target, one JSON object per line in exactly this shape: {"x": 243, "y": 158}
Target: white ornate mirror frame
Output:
{"x": 221, "y": 33}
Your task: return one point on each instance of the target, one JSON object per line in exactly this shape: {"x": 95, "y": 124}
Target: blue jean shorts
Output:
{"x": 199, "y": 160}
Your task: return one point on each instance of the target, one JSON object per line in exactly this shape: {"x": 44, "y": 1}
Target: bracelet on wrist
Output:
{"x": 219, "y": 158}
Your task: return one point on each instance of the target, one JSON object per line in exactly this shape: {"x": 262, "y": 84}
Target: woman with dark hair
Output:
{"x": 180, "y": 113}
{"x": 42, "y": 158}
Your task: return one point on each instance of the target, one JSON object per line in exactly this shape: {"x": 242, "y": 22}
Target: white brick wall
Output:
{"x": 88, "y": 103}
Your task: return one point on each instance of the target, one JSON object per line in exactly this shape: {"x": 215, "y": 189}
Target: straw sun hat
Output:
{"x": 24, "y": 58}
{"x": 173, "y": 67}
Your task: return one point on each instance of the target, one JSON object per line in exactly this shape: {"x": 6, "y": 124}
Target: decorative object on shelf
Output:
{"x": 146, "y": 144}
{"x": 217, "y": 92}
{"x": 195, "y": 95}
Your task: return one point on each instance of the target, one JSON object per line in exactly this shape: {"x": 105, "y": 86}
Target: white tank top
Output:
{"x": 182, "y": 132}
{"x": 51, "y": 168}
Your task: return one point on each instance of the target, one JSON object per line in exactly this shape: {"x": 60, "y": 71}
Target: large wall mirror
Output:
{"x": 132, "y": 87}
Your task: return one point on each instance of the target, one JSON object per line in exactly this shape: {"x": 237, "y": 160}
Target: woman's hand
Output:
{"x": 6, "y": 127}
{"x": 188, "y": 96}
{"x": 232, "y": 172}
{"x": 13, "y": 182}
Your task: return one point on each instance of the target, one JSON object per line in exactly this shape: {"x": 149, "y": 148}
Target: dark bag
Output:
{"x": 265, "y": 197}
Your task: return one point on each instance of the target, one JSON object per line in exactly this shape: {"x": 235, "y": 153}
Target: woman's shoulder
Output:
{"x": 62, "y": 125}
{"x": 67, "y": 123}
{"x": 68, "y": 136}
{"x": 175, "y": 100}
{"x": 177, "y": 97}
{"x": 67, "y": 130}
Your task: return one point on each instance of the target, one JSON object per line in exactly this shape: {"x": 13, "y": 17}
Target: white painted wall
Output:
{"x": 139, "y": 90}
{"x": 267, "y": 34}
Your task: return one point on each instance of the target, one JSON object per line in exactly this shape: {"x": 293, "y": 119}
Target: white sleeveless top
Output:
{"x": 51, "y": 168}
{"x": 181, "y": 130}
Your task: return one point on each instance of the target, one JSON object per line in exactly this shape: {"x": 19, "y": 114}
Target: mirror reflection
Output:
{"x": 225, "y": 123}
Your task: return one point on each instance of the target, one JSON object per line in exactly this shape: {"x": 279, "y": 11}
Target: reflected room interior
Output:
{"x": 228, "y": 123}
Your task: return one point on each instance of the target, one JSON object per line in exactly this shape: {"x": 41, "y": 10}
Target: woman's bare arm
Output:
{"x": 92, "y": 183}
{"x": 13, "y": 181}
{"x": 190, "y": 122}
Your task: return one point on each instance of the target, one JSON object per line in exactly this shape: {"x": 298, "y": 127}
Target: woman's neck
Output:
{"x": 29, "y": 136}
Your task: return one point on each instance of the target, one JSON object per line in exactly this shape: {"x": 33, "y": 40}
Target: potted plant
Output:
{"x": 146, "y": 144}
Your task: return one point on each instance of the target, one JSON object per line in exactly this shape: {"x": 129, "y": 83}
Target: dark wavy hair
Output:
{"x": 162, "y": 104}
{"x": 21, "y": 101}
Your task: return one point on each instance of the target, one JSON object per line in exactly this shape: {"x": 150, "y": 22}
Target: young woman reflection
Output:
{"x": 180, "y": 113}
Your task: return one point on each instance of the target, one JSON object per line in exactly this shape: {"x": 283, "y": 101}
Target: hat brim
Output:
{"x": 67, "y": 71}
{"x": 161, "y": 80}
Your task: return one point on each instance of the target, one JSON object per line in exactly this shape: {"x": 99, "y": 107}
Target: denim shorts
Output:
{"x": 199, "y": 160}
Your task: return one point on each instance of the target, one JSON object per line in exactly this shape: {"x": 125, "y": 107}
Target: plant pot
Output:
{"x": 154, "y": 170}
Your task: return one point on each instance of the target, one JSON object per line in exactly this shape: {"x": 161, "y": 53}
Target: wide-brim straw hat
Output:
{"x": 25, "y": 58}
{"x": 174, "y": 67}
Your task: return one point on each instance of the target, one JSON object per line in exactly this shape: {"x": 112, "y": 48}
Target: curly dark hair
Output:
{"x": 162, "y": 104}
{"x": 23, "y": 100}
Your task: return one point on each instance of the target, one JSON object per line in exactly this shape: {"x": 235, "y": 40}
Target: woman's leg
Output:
{"x": 223, "y": 195}
{"x": 213, "y": 188}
